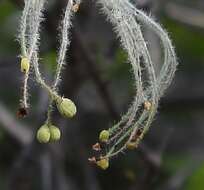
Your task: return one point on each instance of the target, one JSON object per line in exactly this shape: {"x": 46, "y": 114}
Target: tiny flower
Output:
{"x": 25, "y": 65}
{"x": 104, "y": 136}
{"x": 75, "y": 7}
{"x": 103, "y": 163}
{"x": 96, "y": 147}
{"x": 55, "y": 133}
{"x": 92, "y": 160}
{"x": 43, "y": 134}
{"x": 131, "y": 145}
{"x": 147, "y": 105}
{"x": 66, "y": 107}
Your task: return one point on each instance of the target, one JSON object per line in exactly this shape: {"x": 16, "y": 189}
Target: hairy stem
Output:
{"x": 65, "y": 42}
{"x": 128, "y": 21}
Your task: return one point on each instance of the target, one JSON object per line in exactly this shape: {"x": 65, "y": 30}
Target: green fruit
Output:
{"x": 66, "y": 107}
{"x": 25, "y": 65}
{"x": 131, "y": 145}
{"x": 103, "y": 163}
{"x": 104, "y": 136}
{"x": 43, "y": 134}
{"x": 55, "y": 133}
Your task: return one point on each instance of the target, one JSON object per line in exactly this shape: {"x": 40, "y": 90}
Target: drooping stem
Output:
{"x": 35, "y": 21}
{"x": 23, "y": 27}
{"x": 128, "y": 21}
{"x": 29, "y": 35}
{"x": 23, "y": 44}
{"x": 64, "y": 44}
{"x": 39, "y": 79}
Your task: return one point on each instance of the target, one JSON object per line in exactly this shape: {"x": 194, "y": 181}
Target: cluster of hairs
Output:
{"x": 149, "y": 84}
{"x": 29, "y": 39}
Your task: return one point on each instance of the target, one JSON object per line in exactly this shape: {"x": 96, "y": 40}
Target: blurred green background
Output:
{"x": 99, "y": 80}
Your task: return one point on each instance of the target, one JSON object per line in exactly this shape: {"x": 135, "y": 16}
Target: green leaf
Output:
{"x": 196, "y": 180}
{"x": 6, "y": 8}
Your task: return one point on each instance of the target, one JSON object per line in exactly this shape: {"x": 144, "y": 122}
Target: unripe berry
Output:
{"x": 66, "y": 107}
{"x": 103, "y": 163}
{"x": 43, "y": 134}
{"x": 131, "y": 145}
{"x": 55, "y": 133}
{"x": 104, "y": 136}
{"x": 25, "y": 65}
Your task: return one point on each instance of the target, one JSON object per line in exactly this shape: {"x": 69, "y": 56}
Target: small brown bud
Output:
{"x": 22, "y": 112}
{"x": 147, "y": 105}
{"x": 75, "y": 7}
{"x": 96, "y": 147}
{"x": 92, "y": 160}
{"x": 136, "y": 135}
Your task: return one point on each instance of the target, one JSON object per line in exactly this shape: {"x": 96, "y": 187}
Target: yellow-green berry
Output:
{"x": 43, "y": 134}
{"x": 55, "y": 133}
{"x": 131, "y": 145}
{"x": 25, "y": 65}
{"x": 66, "y": 107}
{"x": 103, "y": 163}
{"x": 104, "y": 136}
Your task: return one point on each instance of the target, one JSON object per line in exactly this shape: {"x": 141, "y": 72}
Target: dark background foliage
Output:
{"x": 99, "y": 80}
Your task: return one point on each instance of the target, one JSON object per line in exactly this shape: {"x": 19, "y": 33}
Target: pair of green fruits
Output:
{"x": 50, "y": 133}
{"x": 66, "y": 107}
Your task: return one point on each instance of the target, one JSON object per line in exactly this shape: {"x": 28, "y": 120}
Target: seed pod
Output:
{"x": 55, "y": 133}
{"x": 103, "y": 163}
{"x": 66, "y": 107}
{"x": 25, "y": 65}
{"x": 104, "y": 136}
{"x": 43, "y": 134}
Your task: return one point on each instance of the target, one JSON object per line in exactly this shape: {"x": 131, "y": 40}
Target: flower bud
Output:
{"x": 75, "y": 7}
{"x": 66, "y": 107}
{"x": 104, "y": 136}
{"x": 55, "y": 133}
{"x": 96, "y": 147}
{"x": 25, "y": 65}
{"x": 147, "y": 105}
{"x": 131, "y": 145}
{"x": 103, "y": 163}
{"x": 92, "y": 160}
{"x": 43, "y": 134}
{"x": 22, "y": 112}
